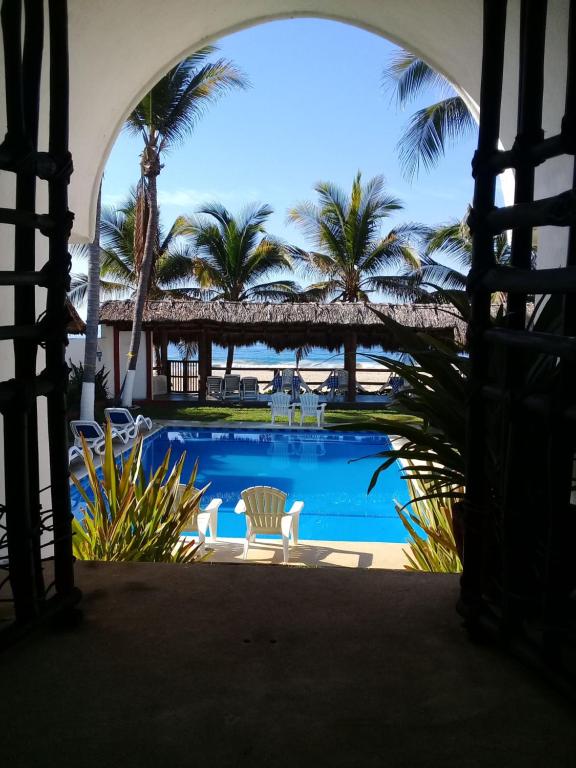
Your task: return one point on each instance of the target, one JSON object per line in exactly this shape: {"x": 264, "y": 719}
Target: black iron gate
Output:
{"x": 520, "y": 523}
{"x": 29, "y": 534}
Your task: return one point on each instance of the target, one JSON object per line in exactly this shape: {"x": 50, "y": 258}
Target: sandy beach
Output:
{"x": 371, "y": 380}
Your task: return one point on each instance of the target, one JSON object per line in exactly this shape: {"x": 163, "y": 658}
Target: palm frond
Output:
{"x": 408, "y": 77}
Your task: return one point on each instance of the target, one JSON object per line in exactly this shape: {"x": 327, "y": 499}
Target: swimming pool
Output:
{"x": 312, "y": 466}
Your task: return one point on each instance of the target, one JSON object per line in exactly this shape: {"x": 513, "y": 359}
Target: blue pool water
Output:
{"x": 312, "y": 466}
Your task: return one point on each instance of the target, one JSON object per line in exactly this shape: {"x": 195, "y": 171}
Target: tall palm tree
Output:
{"x": 352, "y": 255}
{"x": 234, "y": 254}
{"x": 93, "y": 306}
{"x": 432, "y": 128}
{"x": 162, "y": 119}
{"x": 172, "y": 272}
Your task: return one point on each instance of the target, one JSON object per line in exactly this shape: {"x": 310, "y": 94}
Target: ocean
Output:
{"x": 261, "y": 356}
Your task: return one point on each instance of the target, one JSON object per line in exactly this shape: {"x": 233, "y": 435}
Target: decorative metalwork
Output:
{"x": 519, "y": 569}
{"x": 30, "y": 535}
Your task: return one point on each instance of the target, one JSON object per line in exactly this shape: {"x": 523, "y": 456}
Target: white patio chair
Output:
{"x": 214, "y": 386}
{"x": 122, "y": 419}
{"x": 94, "y": 434}
{"x": 202, "y": 520}
{"x": 310, "y": 406}
{"x": 250, "y": 388}
{"x": 231, "y": 387}
{"x": 264, "y": 508}
{"x": 280, "y": 406}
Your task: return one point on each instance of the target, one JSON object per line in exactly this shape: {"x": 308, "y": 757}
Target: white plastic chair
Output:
{"x": 122, "y": 419}
{"x": 250, "y": 388}
{"x": 94, "y": 434}
{"x": 280, "y": 406}
{"x": 264, "y": 508}
{"x": 231, "y": 387}
{"x": 202, "y": 519}
{"x": 310, "y": 406}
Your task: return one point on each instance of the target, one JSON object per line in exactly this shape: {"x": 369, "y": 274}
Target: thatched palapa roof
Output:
{"x": 283, "y": 326}
{"x": 75, "y": 322}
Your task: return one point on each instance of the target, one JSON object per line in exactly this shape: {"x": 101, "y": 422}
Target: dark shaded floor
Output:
{"x": 240, "y": 665}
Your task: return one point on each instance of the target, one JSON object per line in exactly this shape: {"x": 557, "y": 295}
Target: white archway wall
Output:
{"x": 111, "y": 65}
{"x": 118, "y": 49}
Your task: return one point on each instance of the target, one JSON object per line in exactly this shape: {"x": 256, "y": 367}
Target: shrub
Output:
{"x": 130, "y": 517}
{"x": 75, "y": 385}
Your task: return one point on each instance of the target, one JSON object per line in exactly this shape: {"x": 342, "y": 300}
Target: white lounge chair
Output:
{"x": 264, "y": 508}
{"x": 280, "y": 406}
{"x": 75, "y": 452}
{"x": 231, "y": 387}
{"x": 122, "y": 419}
{"x": 214, "y": 386}
{"x": 310, "y": 406}
{"x": 94, "y": 435}
{"x": 250, "y": 388}
{"x": 202, "y": 519}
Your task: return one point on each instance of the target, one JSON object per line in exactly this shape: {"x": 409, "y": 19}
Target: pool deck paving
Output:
{"x": 311, "y": 554}
{"x": 214, "y": 664}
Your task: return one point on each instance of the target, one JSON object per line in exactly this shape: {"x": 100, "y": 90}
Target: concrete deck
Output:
{"x": 221, "y": 665}
{"x": 311, "y": 554}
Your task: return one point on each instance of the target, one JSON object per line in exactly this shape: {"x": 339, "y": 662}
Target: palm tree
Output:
{"x": 93, "y": 306}
{"x": 352, "y": 255}
{"x": 163, "y": 118}
{"x": 172, "y": 273}
{"x": 452, "y": 240}
{"x": 234, "y": 254}
{"x": 430, "y": 129}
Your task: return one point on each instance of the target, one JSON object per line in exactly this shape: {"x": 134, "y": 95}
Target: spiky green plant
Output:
{"x": 435, "y": 552}
{"x": 130, "y": 517}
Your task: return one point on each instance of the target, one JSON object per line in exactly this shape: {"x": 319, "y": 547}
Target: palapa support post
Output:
{"x": 350, "y": 345}
{"x": 203, "y": 344}
{"x": 164, "y": 354}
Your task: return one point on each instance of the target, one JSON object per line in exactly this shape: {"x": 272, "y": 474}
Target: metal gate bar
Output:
{"x": 29, "y": 530}
{"x": 519, "y": 572}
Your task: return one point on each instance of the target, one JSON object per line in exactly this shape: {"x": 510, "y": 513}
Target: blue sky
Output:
{"x": 316, "y": 111}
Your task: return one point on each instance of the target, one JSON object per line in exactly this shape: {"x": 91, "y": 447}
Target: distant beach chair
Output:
{"x": 214, "y": 386}
{"x": 264, "y": 508}
{"x": 311, "y": 407}
{"x": 122, "y": 419}
{"x": 393, "y": 386}
{"x": 341, "y": 382}
{"x": 287, "y": 380}
{"x": 94, "y": 435}
{"x": 280, "y": 406}
{"x": 250, "y": 388}
{"x": 231, "y": 387}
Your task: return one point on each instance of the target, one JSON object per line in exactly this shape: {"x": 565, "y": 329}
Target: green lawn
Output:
{"x": 359, "y": 418}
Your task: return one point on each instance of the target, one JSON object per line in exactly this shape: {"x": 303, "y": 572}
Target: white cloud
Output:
{"x": 192, "y": 198}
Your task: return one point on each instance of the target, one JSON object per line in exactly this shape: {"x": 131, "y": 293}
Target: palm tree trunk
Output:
{"x": 93, "y": 307}
{"x": 230, "y": 358}
{"x": 151, "y": 164}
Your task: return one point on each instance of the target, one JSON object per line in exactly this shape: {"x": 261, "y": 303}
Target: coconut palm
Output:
{"x": 92, "y": 309}
{"x": 452, "y": 240}
{"x": 352, "y": 256}
{"x": 162, "y": 119}
{"x": 234, "y": 255}
{"x": 171, "y": 275}
{"x": 432, "y": 128}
